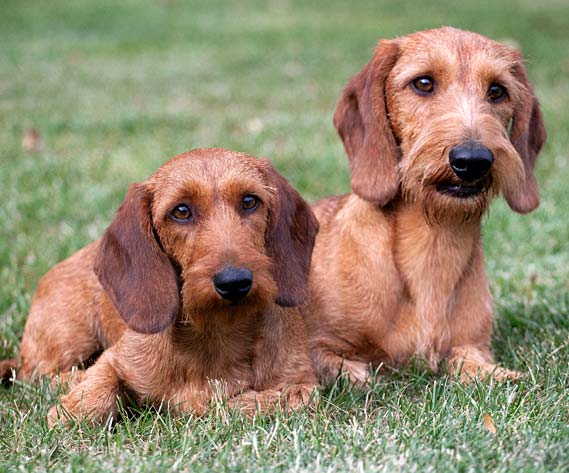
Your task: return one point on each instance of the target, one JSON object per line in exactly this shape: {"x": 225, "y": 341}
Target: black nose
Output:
{"x": 470, "y": 161}
{"x": 233, "y": 284}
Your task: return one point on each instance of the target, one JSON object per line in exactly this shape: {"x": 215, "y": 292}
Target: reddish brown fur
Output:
{"x": 172, "y": 339}
{"x": 398, "y": 267}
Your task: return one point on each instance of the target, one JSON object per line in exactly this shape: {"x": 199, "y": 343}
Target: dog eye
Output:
{"x": 423, "y": 85}
{"x": 496, "y": 93}
{"x": 250, "y": 202}
{"x": 181, "y": 213}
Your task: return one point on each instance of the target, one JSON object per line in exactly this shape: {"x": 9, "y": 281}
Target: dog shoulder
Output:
{"x": 327, "y": 208}
{"x": 78, "y": 269}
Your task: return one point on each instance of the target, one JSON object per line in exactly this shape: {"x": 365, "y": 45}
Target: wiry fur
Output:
{"x": 398, "y": 267}
{"x": 144, "y": 295}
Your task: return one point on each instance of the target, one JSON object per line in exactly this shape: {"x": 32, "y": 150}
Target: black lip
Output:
{"x": 460, "y": 191}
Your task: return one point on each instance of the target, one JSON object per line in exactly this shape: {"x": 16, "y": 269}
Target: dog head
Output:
{"x": 446, "y": 117}
{"x": 212, "y": 233}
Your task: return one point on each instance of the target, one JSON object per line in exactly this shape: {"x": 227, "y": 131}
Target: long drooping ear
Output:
{"x": 528, "y": 136}
{"x": 289, "y": 240}
{"x": 134, "y": 271}
{"x": 363, "y": 124}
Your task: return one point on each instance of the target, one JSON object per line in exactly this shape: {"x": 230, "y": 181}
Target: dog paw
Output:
{"x": 291, "y": 397}
{"x": 468, "y": 373}
{"x": 503, "y": 374}
{"x": 69, "y": 379}
{"x": 54, "y": 419}
{"x": 298, "y": 395}
{"x": 357, "y": 372}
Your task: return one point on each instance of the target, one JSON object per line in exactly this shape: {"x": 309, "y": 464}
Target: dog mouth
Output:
{"x": 462, "y": 190}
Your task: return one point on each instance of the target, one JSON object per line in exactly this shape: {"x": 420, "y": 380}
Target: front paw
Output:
{"x": 298, "y": 395}
{"x": 68, "y": 409}
{"x": 52, "y": 417}
{"x": 288, "y": 398}
{"x": 58, "y": 415}
{"x": 500, "y": 374}
{"x": 93, "y": 406}
{"x": 357, "y": 372}
{"x": 68, "y": 380}
{"x": 471, "y": 371}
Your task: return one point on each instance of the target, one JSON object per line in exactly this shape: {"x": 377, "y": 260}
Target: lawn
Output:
{"x": 115, "y": 88}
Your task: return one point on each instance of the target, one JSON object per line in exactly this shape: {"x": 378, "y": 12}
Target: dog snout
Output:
{"x": 470, "y": 161}
{"x": 233, "y": 284}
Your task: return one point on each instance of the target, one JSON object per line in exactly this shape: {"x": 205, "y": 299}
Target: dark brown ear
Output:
{"x": 528, "y": 136}
{"x": 289, "y": 240}
{"x": 363, "y": 124}
{"x": 134, "y": 271}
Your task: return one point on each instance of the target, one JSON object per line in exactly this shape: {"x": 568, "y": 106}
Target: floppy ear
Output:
{"x": 528, "y": 136}
{"x": 363, "y": 124}
{"x": 289, "y": 240}
{"x": 134, "y": 271}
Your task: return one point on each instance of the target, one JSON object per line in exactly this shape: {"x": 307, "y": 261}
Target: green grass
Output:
{"x": 116, "y": 88}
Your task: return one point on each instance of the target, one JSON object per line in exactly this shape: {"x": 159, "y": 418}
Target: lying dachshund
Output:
{"x": 435, "y": 126}
{"x": 190, "y": 293}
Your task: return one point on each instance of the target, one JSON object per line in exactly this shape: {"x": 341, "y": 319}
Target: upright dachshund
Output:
{"x": 189, "y": 294}
{"x": 435, "y": 125}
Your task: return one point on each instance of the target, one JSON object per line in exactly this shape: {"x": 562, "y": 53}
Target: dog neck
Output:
{"x": 432, "y": 253}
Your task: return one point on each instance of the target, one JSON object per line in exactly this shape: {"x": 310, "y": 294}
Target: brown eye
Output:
{"x": 423, "y": 85}
{"x": 250, "y": 203}
{"x": 181, "y": 213}
{"x": 496, "y": 93}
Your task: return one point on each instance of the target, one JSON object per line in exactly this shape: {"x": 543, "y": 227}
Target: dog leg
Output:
{"x": 94, "y": 399}
{"x": 64, "y": 328}
{"x": 265, "y": 402}
{"x": 69, "y": 379}
{"x": 471, "y": 363}
{"x": 471, "y": 329}
{"x": 198, "y": 401}
{"x": 189, "y": 400}
{"x": 329, "y": 366}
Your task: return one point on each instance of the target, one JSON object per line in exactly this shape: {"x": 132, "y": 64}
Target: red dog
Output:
{"x": 190, "y": 290}
{"x": 436, "y": 125}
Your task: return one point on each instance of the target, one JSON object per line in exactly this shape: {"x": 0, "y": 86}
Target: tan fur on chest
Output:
{"x": 431, "y": 259}
{"x": 397, "y": 275}
{"x": 198, "y": 361}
